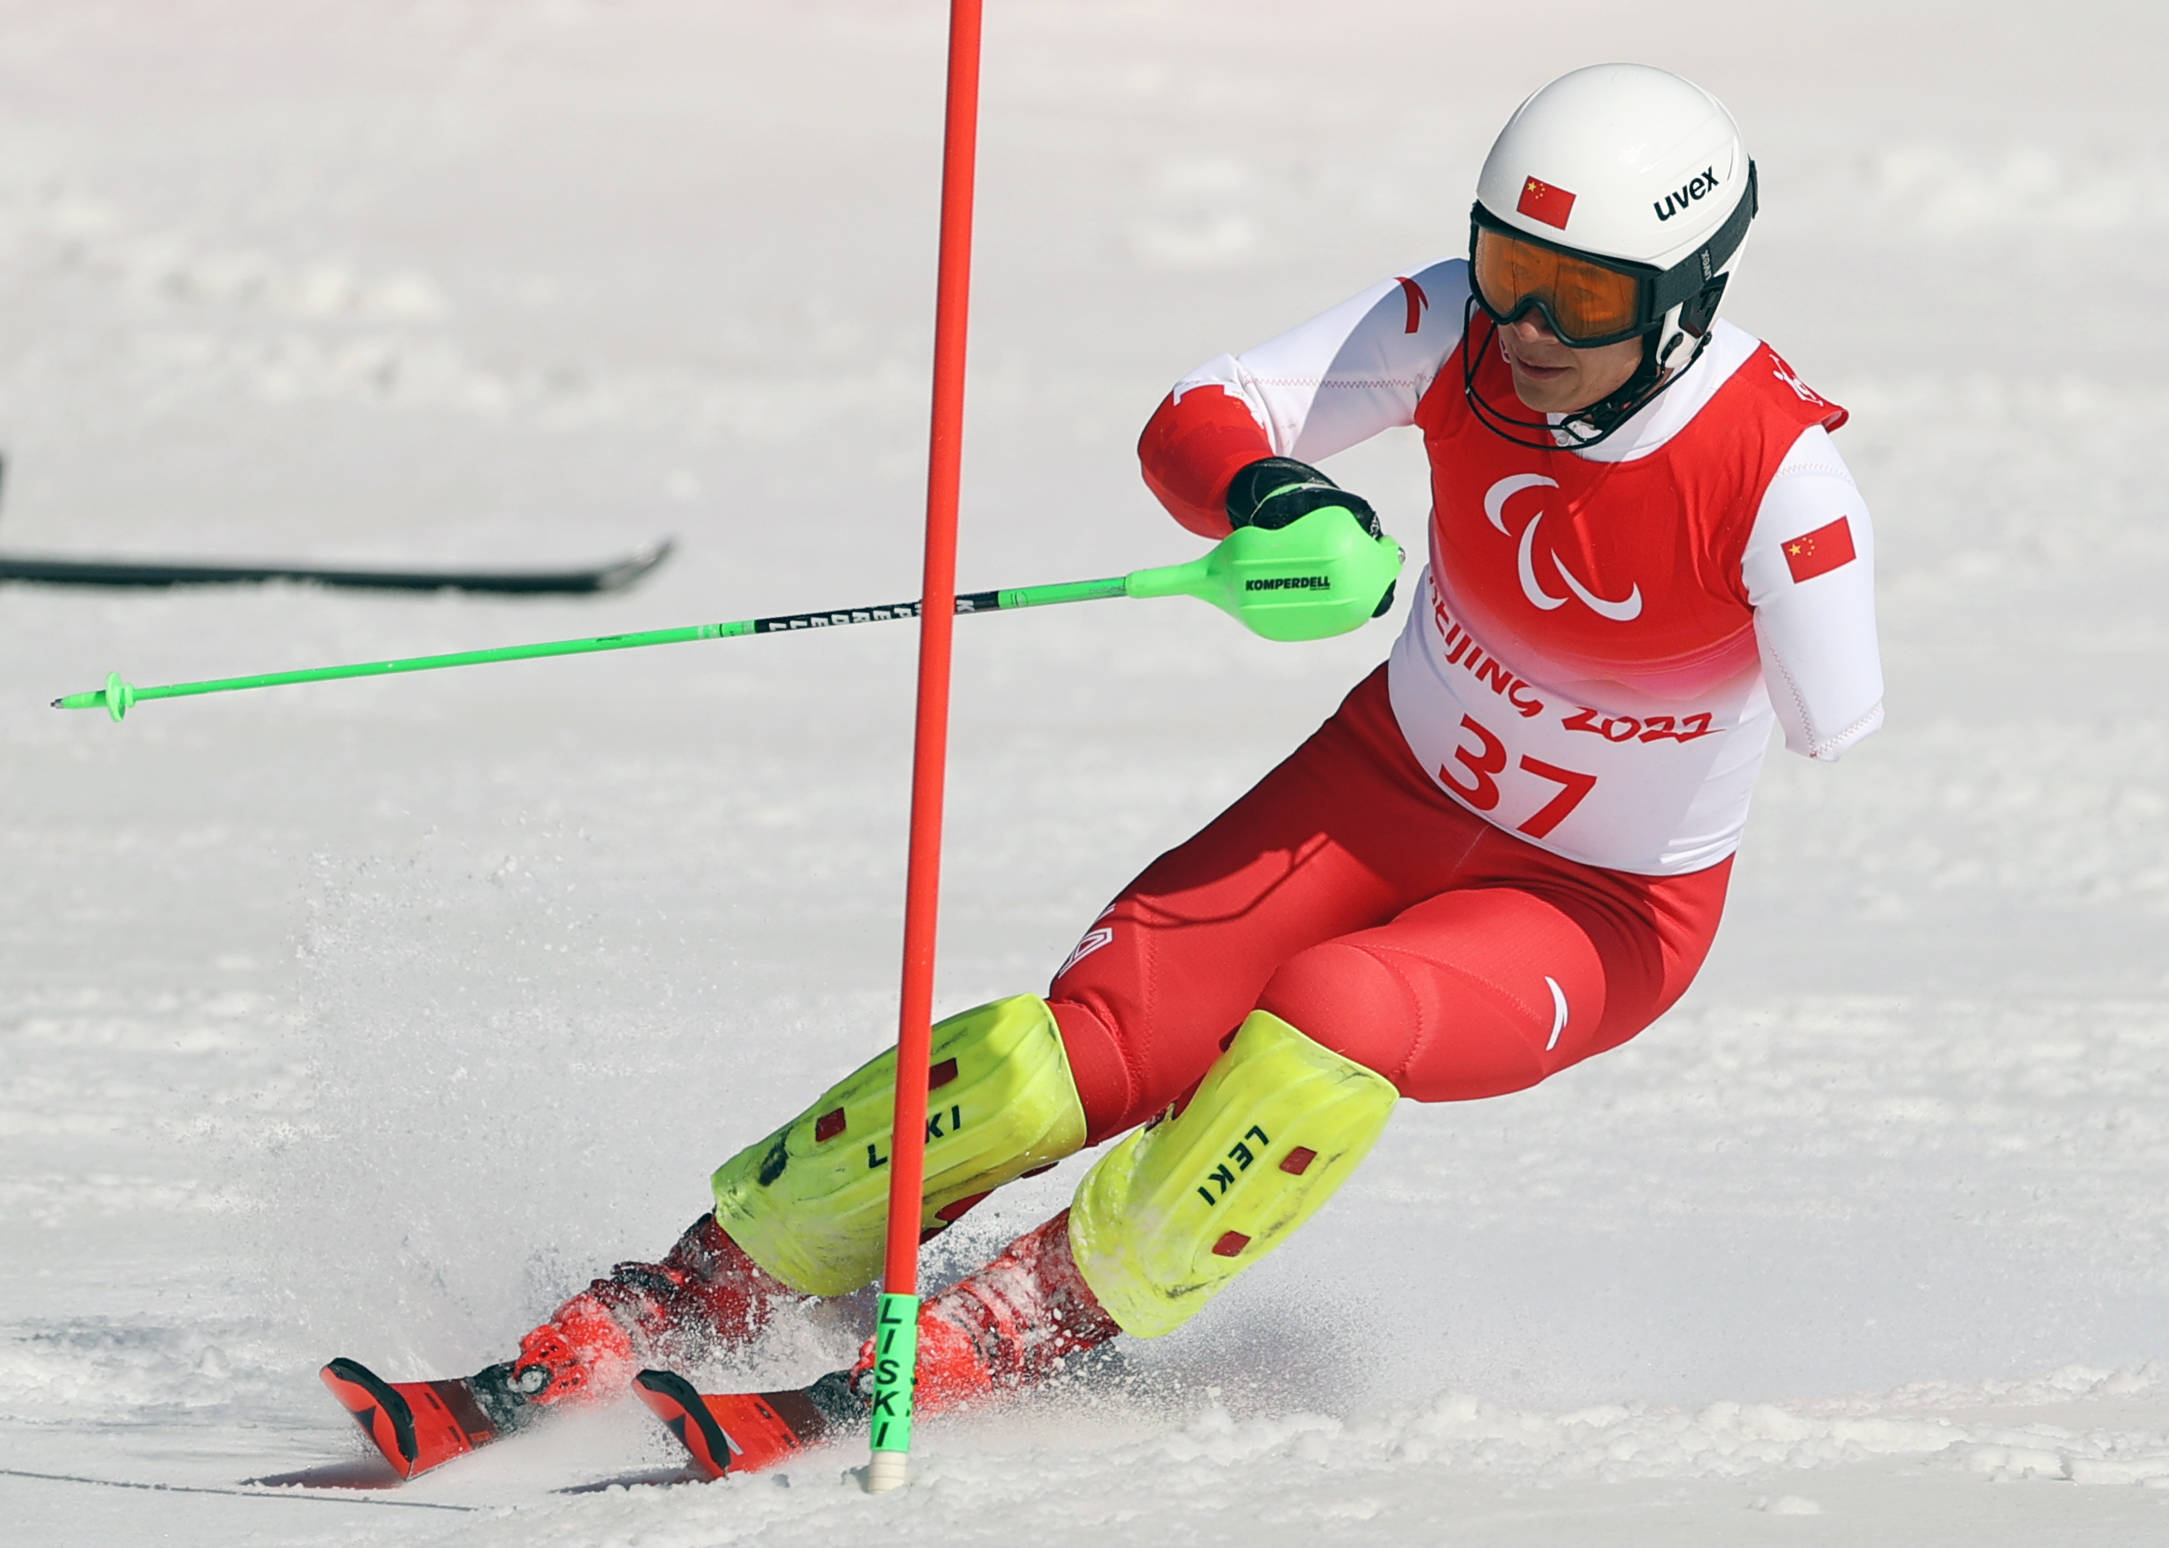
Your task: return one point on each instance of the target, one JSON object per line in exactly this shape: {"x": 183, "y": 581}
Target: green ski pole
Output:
{"x": 1317, "y": 577}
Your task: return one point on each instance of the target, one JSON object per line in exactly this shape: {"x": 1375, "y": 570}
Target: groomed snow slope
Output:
{"x": 372, "y": 1018}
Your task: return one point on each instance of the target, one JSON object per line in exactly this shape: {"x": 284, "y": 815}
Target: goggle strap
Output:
{"x": 1685, "y": 279}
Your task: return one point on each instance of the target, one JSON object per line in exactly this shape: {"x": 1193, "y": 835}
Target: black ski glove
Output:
{"x": 1274, "y": 491}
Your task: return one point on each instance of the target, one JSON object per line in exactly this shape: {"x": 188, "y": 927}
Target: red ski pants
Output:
{"x": 1349, "y": 896}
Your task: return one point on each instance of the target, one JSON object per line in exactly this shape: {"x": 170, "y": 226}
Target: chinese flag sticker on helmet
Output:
{"x": 1541, "y": 201}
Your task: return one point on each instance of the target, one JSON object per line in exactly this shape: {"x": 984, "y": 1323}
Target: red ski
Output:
{"x": 418, "y": 1425}
{"x": 743, "y": 1432}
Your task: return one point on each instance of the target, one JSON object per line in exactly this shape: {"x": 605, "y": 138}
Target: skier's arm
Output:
{"x": 1320, "y": 388}
{"x": 1809, "y": 571}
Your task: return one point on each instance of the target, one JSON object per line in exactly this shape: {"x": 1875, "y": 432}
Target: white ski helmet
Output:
{"x": 1638, "y": 172}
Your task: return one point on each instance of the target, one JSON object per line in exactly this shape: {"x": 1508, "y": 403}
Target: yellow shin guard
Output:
{"x": 810, "y": 1203}
{"x": 1183, "y": 1205}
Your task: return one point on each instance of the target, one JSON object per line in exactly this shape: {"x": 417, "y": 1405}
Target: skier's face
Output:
{"x": 1554, "y": 378}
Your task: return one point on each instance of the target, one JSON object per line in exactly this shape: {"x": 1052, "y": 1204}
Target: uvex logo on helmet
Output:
{"x": 1696, "y": 186}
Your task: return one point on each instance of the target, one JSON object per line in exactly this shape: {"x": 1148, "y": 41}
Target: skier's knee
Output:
{"x": 1438, "y": 1030}
{"x": 1353, "y": 999}
{"x": 1164, "y": 1220}
{"x": 810, "y": 1203}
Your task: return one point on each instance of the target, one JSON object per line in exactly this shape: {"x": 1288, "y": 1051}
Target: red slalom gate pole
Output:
{"x": 896, "y": 1330}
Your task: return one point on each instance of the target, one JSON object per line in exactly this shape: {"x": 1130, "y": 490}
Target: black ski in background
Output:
{"x": 614, "y": 575}
{"x": 60, "y": 570}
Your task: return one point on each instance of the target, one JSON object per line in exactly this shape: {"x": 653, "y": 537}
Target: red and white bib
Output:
{"x": 1581, "y": 663}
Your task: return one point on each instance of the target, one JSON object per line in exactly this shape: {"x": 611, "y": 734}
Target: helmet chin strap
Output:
{"x": 1650, "y": 378}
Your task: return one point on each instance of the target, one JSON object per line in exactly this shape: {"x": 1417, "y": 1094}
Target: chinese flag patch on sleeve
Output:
{"x": 1541, "y": 201}
{"x": 1821, "y": 551}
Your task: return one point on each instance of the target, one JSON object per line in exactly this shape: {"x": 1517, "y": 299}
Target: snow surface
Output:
{"x": 372, "y": 1018}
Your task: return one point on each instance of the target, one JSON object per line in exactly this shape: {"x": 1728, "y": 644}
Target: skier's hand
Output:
{"x": 1274, "y": 491}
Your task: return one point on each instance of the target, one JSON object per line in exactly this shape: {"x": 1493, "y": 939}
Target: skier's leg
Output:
{"x": 1508, "y": 964}
{"x": 1344, "y": 834}
{"x": 809, "y": 1204}
{"x": 1341, "y": 836}
{"x": 1480, "y": 992}
{"x": 1470, "y": 994}
{"x": 1164, "y": 1220}
{"x": 802, "y": 1213}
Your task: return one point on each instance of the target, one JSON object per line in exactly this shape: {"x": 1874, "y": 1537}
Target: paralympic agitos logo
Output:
{"x": 1693, "y": 189}
{"x": 1625, "y": 610}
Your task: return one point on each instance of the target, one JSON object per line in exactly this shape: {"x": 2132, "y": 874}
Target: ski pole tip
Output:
{"x": 116, "y": 697}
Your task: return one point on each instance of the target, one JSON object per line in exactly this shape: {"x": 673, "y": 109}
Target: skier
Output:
{"x": 1506, "y": 851}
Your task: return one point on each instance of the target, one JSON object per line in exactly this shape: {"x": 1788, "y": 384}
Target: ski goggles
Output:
{"x": 1586, "y": 300}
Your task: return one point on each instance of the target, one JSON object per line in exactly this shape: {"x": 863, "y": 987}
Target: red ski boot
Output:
{"x": 999, "y": 1330}
{"x": 706, "y": 1294}
{"x": 1006, "y": 1327}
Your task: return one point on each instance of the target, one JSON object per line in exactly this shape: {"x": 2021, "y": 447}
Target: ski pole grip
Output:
{"x": 1323, "y": 574}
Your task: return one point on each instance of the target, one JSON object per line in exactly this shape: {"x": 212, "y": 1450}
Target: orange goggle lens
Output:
{"x": 1585, "y": 302}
